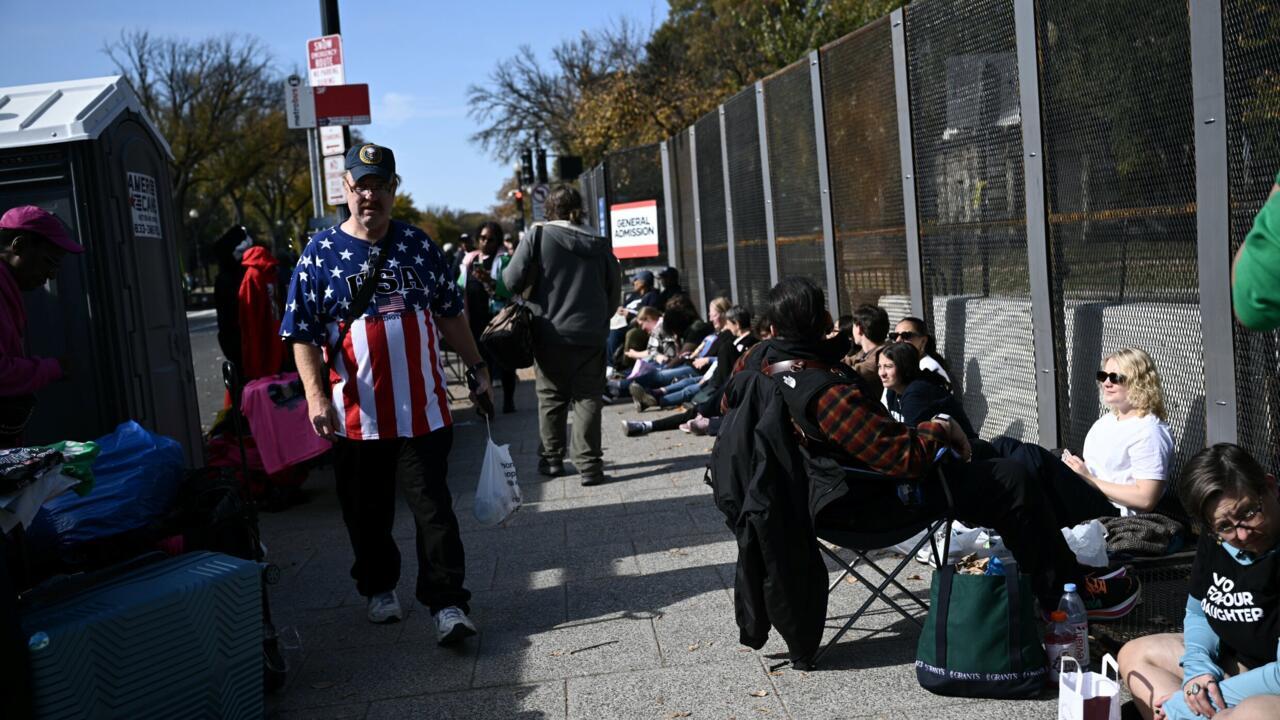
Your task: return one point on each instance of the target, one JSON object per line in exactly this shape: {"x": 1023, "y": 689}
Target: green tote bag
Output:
{"x": 981, "y": 638}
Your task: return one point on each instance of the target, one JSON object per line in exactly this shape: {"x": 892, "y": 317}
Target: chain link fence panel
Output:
{"x": 1120, "y": 194}
{"x": 860, "y": 104}
{"x": 793, "y": 172}
{"x": 966, "y": 127}
{"x": 635, "y": 175}
{"x": 746, "y": 191}
{"x": 711, "y": 208}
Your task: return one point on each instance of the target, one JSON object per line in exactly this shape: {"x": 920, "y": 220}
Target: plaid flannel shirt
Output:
{"x": 865, "y": 430}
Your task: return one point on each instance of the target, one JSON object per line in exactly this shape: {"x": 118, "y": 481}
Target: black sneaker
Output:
{"x": 644, "y": 400}
{"x": 1110, "y": 598}
{"x": 634, "y": 429}
{"x": 550, "y": 468}
{"x": 589, "y": 480}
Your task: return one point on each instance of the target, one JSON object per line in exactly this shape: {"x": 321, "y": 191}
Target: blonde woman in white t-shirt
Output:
{"x": 1124, "y": 468}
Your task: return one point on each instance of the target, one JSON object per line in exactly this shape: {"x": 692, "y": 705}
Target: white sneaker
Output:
{"x": 453, "y": 625}
{"x": 385, "y": 608}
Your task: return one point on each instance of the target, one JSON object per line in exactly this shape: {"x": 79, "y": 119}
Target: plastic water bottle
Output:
{"x": 1077, "y": 624}
{"x": 1058, "y": 641}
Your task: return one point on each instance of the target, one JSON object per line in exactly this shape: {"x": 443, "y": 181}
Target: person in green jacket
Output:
{"x": 1255, "y": 274}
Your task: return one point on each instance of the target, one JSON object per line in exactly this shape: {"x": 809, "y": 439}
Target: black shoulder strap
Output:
{"x": 360, "y": 302}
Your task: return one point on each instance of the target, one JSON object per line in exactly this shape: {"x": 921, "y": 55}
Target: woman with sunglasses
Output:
{"x": 912, "y": 330}
{"x": 1224, "y": 662}
{"x": 1123, "y": 469}
{"x": 913, "y": 395}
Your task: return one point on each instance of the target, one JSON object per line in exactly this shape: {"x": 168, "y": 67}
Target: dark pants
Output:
{"x": 994, "y": 493}
{"x": 570, "y": 375}
{"x": 672, "y": 422}
{"x": 1074, "y": 500}
{"x": 367, "y": 473}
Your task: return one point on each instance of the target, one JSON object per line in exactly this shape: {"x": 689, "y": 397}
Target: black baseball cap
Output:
{"x": 370, "y": 159}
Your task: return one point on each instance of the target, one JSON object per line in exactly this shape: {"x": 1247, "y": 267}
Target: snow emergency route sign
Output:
{"x": 144, "y": 205}
{"x": 634, "y": 229}
{"x": 324, "y": 60}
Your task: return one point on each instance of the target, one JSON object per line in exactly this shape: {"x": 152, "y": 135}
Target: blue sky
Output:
{"x": 417, "y": 57}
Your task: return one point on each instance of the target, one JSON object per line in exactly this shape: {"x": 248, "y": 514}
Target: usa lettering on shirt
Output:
{"x": 387, "y": 379}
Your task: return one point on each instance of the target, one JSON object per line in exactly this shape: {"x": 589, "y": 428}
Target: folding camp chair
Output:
{"x": 864, "y": 543}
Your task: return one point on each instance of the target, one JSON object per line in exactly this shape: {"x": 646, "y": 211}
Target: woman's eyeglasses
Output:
{"x": 1226, "y": 530}
{"x": 904, "y": 336}
{"x": 1115, "y": 378}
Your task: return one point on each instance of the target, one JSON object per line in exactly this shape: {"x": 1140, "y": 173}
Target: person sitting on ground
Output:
{"x": 636, "y": 341}
{"x": 842, "y": 421}
{"x": 913, "y": 330}
{"x": 735, "y": 340}
{"x": 669, "y": 287}
{"x": 869, "y": 327}
{"x": 663, "y": 359}
{"x": 703, "y": 359}
{"x": 642, "y": 295}
{"x": 1223, "y": 664}
{"x": 1127, "y": 453}
{"x": 914, "y": 395}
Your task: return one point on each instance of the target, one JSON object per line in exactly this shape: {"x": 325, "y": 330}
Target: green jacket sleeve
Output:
{"x": 1255, "y": 294}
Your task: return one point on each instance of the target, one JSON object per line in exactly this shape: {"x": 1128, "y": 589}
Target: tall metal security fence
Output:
{"x": 863, "y": 154}
{"x": 746, "y": 197}
{"x": 1043, "y": 181}
{"x": 631, "y": 176}
{"x": 1120, "y": 190}
{"x": 966, "y": 133}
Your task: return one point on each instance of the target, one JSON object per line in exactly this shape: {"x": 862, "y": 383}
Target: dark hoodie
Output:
{"x": 260, "y": 301}
{"x": 576, "y": 282}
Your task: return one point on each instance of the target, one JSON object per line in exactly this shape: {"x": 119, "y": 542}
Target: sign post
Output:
{"x": 539, "y": 201}
{"x": 325, "y": 67}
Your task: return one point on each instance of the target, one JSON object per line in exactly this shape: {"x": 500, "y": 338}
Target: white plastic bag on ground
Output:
{"x": 1089, "y": 542}
{"x": 1088, "y": 695}
{"x": 498, "y": 492}
{"x": 963, "y": 542}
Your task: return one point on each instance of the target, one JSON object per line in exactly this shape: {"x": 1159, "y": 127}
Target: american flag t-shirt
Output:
{"x": 387, "y": 380}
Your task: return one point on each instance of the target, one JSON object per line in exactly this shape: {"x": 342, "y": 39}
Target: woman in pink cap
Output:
{"x": 32, "y": 245}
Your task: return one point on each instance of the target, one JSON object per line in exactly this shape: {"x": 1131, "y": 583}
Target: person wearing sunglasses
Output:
{"x": 912, "y": 330}
{"x": 1127, "y": 452}
{"x": 1224, "y": 662}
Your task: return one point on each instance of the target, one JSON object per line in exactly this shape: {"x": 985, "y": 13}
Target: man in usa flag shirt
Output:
{"x": 381, "y": 396}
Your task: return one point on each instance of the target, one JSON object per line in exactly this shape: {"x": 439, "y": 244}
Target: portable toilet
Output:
{"x": 85, "y": 151}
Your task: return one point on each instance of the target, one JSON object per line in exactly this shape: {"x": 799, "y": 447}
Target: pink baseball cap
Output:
{"x": 40, "y": 222}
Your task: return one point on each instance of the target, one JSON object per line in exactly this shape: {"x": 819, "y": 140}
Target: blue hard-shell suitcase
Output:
{"x": 172, "y": 638}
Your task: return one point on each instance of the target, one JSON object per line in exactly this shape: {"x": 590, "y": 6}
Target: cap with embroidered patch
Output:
{"x": 370, "y": 159}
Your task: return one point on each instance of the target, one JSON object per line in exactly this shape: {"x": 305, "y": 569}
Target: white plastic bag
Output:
{"x": 1088, "y": 695}
{"x": 963, "y": 542}
{"x": 1089, "y": 542}
{"x": 498, "y": 492}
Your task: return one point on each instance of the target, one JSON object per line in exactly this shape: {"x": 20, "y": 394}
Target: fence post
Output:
{"x": 767, "y": 185}
{"x": 824, "y": 185}
{"x": 697, "y": 213}
{"x": 728, "y": 212}
{"x": 915, "y": 278}
{"x": 1024, "y": 15}
{"x": 1209, "y": 105}
{"x": 668, "y": 204}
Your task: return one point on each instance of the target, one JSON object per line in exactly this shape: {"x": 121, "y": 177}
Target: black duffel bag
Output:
{"x": 508, "y": 337}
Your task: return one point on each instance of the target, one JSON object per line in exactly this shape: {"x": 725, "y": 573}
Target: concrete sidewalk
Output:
{"x": 605, "y": 602}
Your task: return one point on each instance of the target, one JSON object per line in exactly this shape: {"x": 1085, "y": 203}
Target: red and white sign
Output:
{"x": 331, "y": 141}
{"x": 324, "y": 60}
{"x": 342, "y": 104}
{"x": 634, "y": 229}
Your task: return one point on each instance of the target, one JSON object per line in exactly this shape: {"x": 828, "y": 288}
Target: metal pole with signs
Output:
{"x": 325, "y": 67}
{"x": 539, "y": 197}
